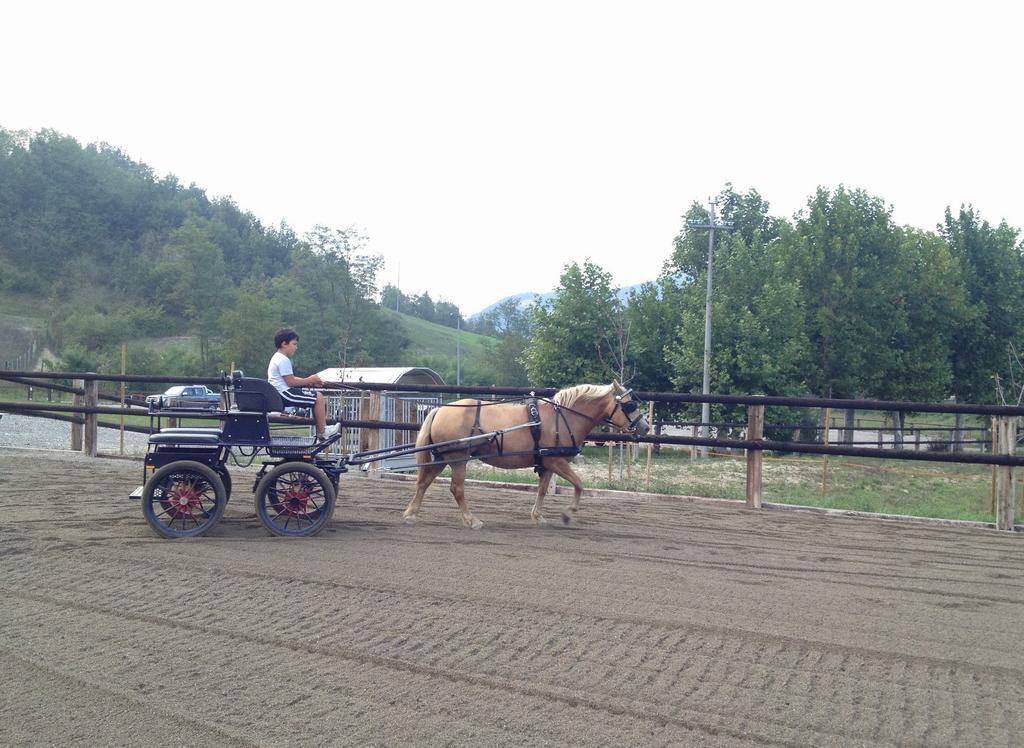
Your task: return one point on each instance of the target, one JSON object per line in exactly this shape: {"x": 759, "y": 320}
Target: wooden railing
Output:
{"x": 1003, "y": 455}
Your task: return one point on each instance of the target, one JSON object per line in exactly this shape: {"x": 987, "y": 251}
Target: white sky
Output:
{"x": 483, "y": 145}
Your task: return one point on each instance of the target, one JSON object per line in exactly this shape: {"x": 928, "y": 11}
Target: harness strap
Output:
{"x": 533, "y": 412}
{"x": 476, "y": 423}
{"x": 564, "y": 419}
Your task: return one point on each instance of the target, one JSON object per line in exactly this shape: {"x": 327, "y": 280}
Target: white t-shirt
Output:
{"x": 280, "y": 367}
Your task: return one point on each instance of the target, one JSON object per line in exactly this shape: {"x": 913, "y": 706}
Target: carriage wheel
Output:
{"x": 183, "y": 499}
{"x": 295, "y": 498}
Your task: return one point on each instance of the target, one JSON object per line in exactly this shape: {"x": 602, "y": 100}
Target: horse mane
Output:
{"x": 581, "y": 392}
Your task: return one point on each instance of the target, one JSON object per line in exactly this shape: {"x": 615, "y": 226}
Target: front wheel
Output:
{"x": 295, "y": 499}
{"x": 183, "y": 499}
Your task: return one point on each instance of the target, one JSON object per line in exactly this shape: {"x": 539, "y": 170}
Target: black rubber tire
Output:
{"x": 295, "y": 499}
{"x": 189, "y": 481}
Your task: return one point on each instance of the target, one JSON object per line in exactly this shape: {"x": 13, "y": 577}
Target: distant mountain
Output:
{"x": 527, "y": 300}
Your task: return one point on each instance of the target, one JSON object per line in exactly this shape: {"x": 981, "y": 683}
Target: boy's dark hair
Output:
{"x": 285, "y": 335}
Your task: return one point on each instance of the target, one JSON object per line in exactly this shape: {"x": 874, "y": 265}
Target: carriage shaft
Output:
{"x": 361, "y": 458}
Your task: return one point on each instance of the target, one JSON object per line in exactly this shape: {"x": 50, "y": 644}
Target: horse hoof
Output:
{"x": 409, "y": 519}
{"x": 566, "y": 519}
{"x": 540, "y": 520}
{"x": 476, "y": 524}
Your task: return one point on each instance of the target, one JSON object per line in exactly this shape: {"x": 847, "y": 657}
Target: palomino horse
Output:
{"x": 564, "y": 423}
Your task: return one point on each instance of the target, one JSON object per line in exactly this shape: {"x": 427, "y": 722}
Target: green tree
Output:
{"x": 249, "y": 327}
{"x": 759, "y": 338}
{"x": 509, "y": 317}
{"x": 844, "y": 253}
{"x": 193, "y": 277}
{"x": 576, "y": 334}
{"x": 927, "y": 304}
{"x": 989, "y": 263}
{"x": 339, "y": 277}
{"x": 759, "y": 342}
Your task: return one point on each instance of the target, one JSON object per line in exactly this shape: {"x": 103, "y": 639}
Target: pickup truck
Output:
{"x": 186, "y": 396}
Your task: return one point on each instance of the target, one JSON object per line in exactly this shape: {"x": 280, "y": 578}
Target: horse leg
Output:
{"x": 459, "y": 492}
{"x": 542, "y": 489}
{"x": 424, "y": 478}
{"x": 564, "y": 469}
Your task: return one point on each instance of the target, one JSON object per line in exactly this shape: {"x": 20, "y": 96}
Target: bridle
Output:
{"x": 627, "y": 407}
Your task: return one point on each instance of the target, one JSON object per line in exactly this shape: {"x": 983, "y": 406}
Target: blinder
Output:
{"x": 629, "y": 407}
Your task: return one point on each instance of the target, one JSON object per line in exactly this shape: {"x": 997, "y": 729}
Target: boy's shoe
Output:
{"x": 329, "y": 432}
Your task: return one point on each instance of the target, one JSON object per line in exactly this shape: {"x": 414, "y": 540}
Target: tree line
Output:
{"x": 106, "y": 252}
{"x": 836, "y": 301}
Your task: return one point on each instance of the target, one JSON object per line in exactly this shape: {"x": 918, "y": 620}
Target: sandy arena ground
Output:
{"x": 650, "y": 622}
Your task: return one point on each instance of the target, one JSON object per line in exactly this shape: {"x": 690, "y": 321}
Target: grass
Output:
{"x": 903, "y": 487}
{"x": 430, "y": 342}
{"x": 24, "y": 308}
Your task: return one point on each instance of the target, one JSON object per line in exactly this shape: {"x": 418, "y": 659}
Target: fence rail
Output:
{"x": 1003, "y": 455}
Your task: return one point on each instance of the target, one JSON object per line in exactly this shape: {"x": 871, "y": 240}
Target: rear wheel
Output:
{"x": 295, "y": 499}
{"x": 183, "y": 499}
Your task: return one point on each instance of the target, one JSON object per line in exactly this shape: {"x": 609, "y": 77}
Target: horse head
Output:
{"x": 627, "y": 414}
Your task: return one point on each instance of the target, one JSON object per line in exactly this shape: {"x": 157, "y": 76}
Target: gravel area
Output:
{"x": 42, "y": 433}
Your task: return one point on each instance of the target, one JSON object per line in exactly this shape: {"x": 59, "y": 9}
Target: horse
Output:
{"x": 546, "y": 434}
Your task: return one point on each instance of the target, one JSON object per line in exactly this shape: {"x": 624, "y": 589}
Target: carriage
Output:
{"x": 186, "y": 483}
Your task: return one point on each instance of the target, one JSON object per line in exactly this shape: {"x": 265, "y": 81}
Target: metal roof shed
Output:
{"x": 404, "y": 407}
{"x": 382, "y": 374}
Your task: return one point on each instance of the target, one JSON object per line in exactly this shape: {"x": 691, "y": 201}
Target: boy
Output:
{"x": 292, "y": 388}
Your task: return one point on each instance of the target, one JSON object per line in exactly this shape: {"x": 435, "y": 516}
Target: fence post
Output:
{"x": 1007, "y": 442}
{"x": 76, "y": 428}
{"x": 89, "y": 443}
{"x": 124, "y": 362}
{"x": 373, "y": 438}
{"x": 755, "y": 457}
{"x": 650, "y": 447}
{"x": 824, "y": 458}
{"x": 994, "y": 439}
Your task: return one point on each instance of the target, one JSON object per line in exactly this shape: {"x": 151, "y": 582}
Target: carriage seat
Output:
{"x": 255, "y": 395}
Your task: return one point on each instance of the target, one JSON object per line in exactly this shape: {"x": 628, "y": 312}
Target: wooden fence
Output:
{"x": 1003, "y": 455}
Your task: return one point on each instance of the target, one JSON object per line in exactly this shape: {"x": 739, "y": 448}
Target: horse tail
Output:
{"x": 423, "y": 439}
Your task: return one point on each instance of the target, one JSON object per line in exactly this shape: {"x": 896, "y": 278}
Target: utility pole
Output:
{"x": 711, "y": 225}
{"x": 458, "y": 349}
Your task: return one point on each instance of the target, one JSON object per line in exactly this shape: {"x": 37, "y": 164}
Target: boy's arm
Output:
{"x": 293, "y": 381}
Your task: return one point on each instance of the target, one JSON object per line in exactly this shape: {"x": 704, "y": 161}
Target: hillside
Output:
{"x": 108, "y": 253}
{"x": 435, "y": 346}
